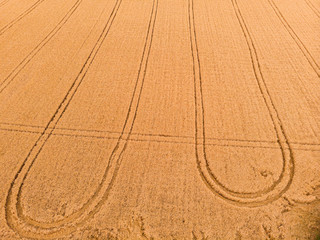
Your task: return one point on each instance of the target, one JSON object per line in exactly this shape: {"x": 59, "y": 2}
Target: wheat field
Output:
{"x": 159, "y": 119}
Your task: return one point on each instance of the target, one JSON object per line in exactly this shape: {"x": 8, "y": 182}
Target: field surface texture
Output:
{"x": 159, "y": 119}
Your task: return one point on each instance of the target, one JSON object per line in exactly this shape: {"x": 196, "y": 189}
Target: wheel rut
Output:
{"x": 15, "y": 216}
{"x": 281, "y": 185}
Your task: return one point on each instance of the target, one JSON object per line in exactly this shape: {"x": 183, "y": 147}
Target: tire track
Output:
{"x": 296, "y": 38}
{"x": 141, "y": 138}
{"x": 131, "y": 139}
{"x": 313, "y": 8}
{"x": 4, "y": 3}
{"x": 9, "y": 79}
{"x": 79, "y": 132}
{"x": 22, "y": 15}
{"x": 138, "y": 134}
{"x": 47, "y": 230}
{"x": 281, "y": 185}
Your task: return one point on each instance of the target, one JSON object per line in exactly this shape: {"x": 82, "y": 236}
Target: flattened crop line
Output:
{"x": 47, "y": 230}
{"x": 140, "y": 134}
{"x": 3, "y": 3}
{"x": 313, "y": 8}
{"x": 296, "y": 38}
{"x": 20, "y": 131}
{"x": 137, "y": 139}
{"x": 249, "y": 199}
{"x": 156, "y": 140}
{"x": 79, "y": 131}
{"x": 22, "y": 15}
{"x": 14, "y": 215}
{"x": 5, "y": 83}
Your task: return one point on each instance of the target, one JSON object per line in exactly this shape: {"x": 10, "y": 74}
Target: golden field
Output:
{"x": 159, "y": 119}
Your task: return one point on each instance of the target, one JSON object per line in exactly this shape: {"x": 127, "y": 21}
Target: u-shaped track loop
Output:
{"x": 282, "y": 184}
{"x": 27, "y": 227}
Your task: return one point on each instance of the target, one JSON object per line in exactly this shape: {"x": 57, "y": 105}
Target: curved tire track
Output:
{"x": 28, "y": 227}
{"x": 22, "y": 15}
{"x": 282, "y": 184}
{"x": 296, "y": 38}
{"x": 6, "y": 82}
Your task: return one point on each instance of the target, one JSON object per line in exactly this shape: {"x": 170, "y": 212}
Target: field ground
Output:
{"x": 164, "y": 119}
